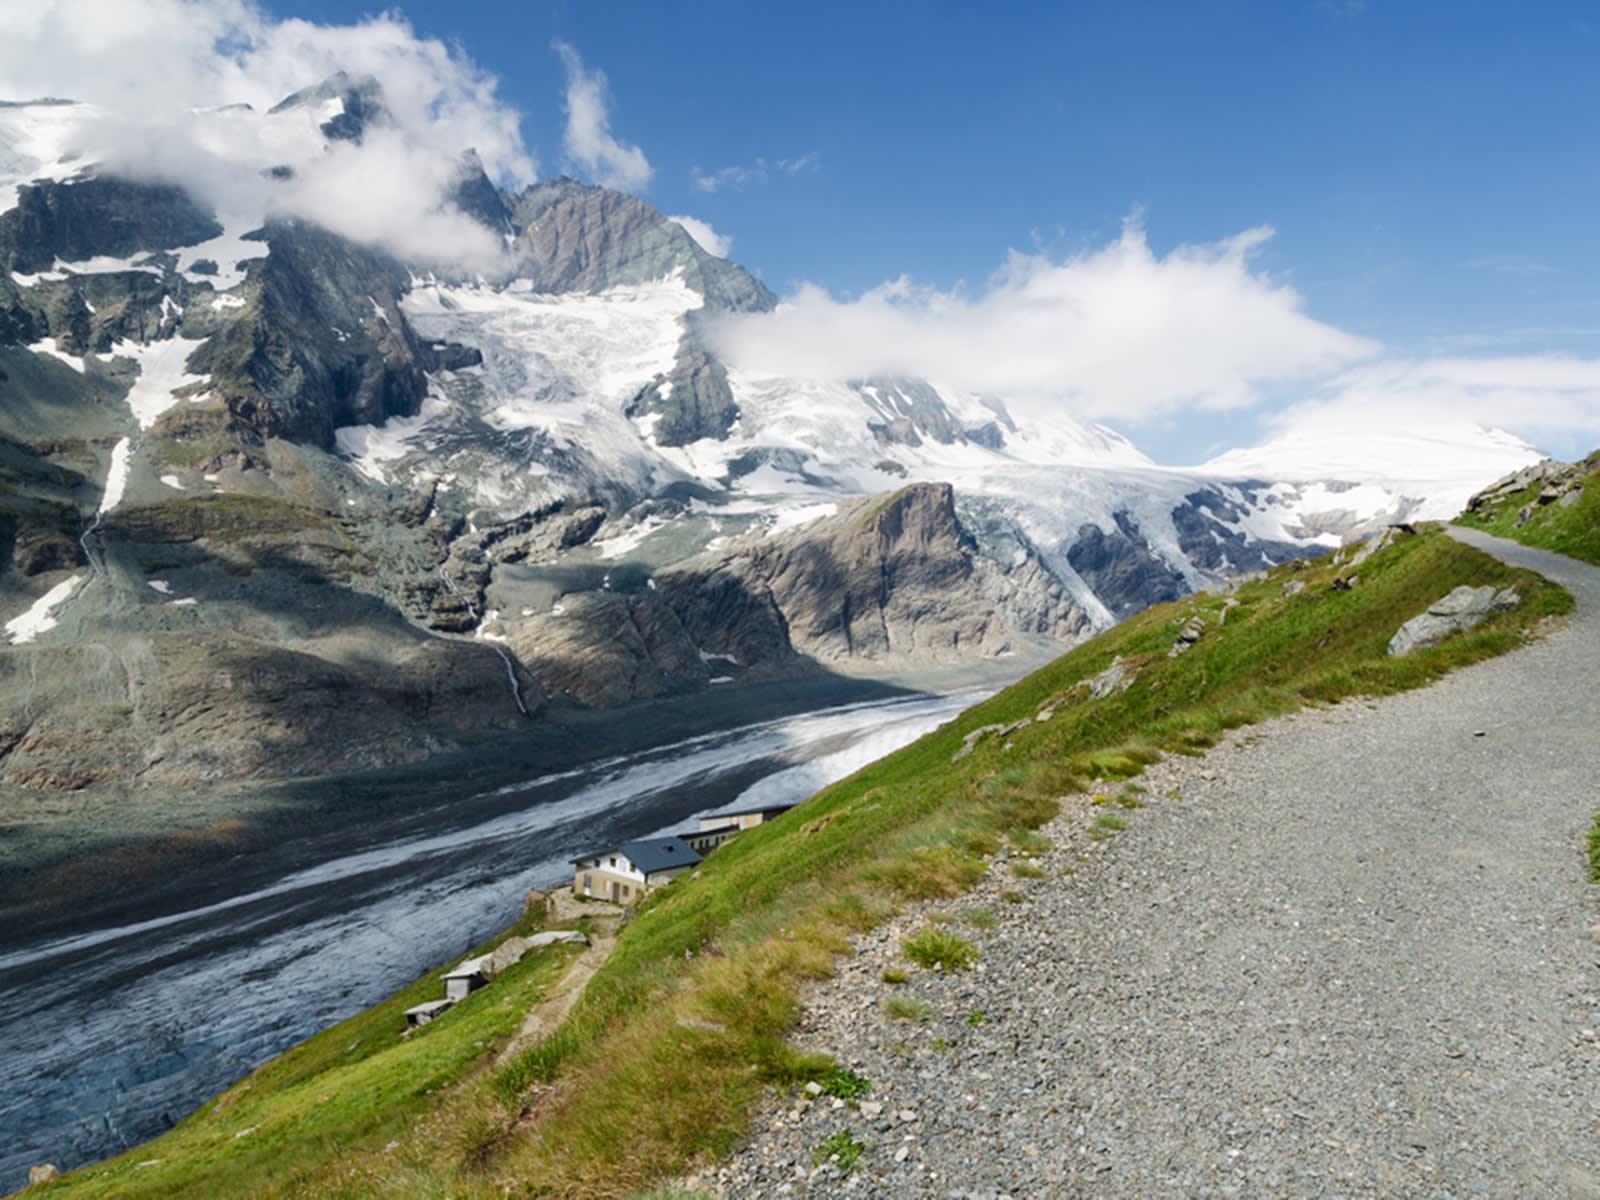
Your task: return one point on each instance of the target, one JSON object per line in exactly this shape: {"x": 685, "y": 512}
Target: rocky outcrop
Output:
{"x": 89, "y": 218}
{"x": 1556, "y": 483}
{"x": 322, "y": 343}
{"x": 884, "y": 578}
{"x": 572, "y": 237}
{"x": 360, "y": 102}
{"x": 1122, "y": 568}
{"x": 692, "y": 402}
{"x": 604, "y": 649}
{"x": 1210, "y": 529}
{"x": 1462, "y": 609}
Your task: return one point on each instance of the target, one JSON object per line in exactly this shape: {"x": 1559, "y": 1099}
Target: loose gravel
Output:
{"x": 1351, "y": 952}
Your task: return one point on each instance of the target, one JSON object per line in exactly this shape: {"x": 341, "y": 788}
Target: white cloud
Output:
{"x": 157, "y": 71}
{"x": 1539, "y": 396}
{"x": 1115, "y": 333}
{"x": 710, "y": 240}
{"x": 737, "y": 178}
{"x": 589, "y": 142}
{"x": 809, "y": 161}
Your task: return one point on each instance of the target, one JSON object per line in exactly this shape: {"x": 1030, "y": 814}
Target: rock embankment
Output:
{"x": 1350, "y": 952}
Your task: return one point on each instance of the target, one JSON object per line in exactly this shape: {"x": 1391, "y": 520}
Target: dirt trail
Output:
{"x": 1351, "y": 952}
{"x": 548, "y": 1014}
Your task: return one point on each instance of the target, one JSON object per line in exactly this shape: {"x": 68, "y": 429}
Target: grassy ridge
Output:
{"x": 684, "y": 1028}
{"x": 1573, "y": 529}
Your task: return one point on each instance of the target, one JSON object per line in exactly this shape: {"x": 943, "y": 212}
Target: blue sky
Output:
{"x": 1428, "y": 172}
{"x": 1430, "y": 169}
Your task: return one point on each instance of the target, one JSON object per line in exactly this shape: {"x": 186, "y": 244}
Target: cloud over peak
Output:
{"x": 166, "y": 80}
{"x": 1117, "y": 332}
{"x": 589, "y": 142}
{"x": 713, "y": 243}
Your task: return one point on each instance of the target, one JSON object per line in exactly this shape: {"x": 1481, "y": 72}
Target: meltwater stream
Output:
{"x": 108, "y": 1037}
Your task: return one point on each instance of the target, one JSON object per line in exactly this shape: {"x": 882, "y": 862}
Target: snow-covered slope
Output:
{"x": 1409, "y": 474}
{"x": 38, "y": 140}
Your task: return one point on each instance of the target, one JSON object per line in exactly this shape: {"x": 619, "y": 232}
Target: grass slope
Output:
{"x": 1572, "y": 529}
{"x": 657, "y": 1066}
{"x": 329, "y": 1116}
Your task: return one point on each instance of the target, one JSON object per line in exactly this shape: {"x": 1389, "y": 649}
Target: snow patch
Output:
{"x": 230, "y": 252}
{"x": 48, "y": 346}
{"x": 803, "y": 514}
{"x": 173, "y": 482}
{"x": 40, "y": 617}
{"x": 187, "y": 600}
{"x": 630, "y": 540}
{"x": 161, "y": 372}
{"x": 369, "y": 447}
{"x": 117, "y": 476}
{"x": 160, "y": 585}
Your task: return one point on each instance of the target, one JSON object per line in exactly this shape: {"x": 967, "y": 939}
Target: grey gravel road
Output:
{"x": 1356, "y": 957}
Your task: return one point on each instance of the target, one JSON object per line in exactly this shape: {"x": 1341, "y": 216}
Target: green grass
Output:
{"x": 328, "y": 1107}
{"x": 1573, "y": 530}
{"x": 905, "y": 1008}
{"x": 1594, "y": 850}
{"x": 936, "y": 948}
{"x": 686, "y": 1027}
{"x": 846, "y": 1085}
{"x": 842, "y": 1147}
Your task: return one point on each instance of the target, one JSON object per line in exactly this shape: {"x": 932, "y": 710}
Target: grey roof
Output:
{"x": 751, "y": 808}
{"x": 659, "y": 854}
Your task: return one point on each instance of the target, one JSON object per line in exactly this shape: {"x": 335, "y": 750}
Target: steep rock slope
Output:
{"x": 884, "y": 579}
{"x": 435, "y": 498}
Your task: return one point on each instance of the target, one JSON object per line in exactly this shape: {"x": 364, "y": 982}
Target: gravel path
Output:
{"x": 1356, "y": 957}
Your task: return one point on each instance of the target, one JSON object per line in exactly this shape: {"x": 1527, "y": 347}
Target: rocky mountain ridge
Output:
{"x": 274, "y": 502}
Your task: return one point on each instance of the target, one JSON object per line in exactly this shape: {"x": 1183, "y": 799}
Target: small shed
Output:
{"x": 467, "y": 977}
{"x": 627, "y": 871}
{"x": 421, "y": 1014}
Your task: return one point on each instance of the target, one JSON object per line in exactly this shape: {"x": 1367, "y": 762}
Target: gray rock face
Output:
{"x": 1213, "y": 545}
{"x": 576, "y": 238}
{"x": 87, "y": 218}
{"x": 606, "y": 649}
{"x": 1462, "y": 609}
{"x": 362, "y": 99}
{"x": 893, "y": 577}
{"x": 322, "y": 343}
{"x": 692, "y": 402}
{"x": 1125, "y": 573}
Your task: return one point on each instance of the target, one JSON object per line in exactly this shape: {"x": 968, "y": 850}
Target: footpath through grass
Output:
{"x": 657, "y": 1067}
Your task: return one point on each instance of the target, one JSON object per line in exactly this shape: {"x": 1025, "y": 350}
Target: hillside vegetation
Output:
{"x": 659, "y": 1063}
{"x": 1555, "y": 510}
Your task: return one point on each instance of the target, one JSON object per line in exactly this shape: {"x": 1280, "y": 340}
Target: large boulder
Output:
{"x": 1463, "y": 609}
